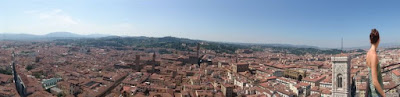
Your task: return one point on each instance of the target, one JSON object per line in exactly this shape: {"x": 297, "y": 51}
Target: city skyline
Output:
{"x": 202, "y": 48}
{"x": 314, "y": 23}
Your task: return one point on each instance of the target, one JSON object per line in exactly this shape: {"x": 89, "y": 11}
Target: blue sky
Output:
{"x": 305, "y": 22}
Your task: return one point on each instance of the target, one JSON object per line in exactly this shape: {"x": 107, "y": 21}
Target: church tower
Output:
{"x": 138, "y": 66}
{"x": 153, "y": 62}
{"x": 154, "y": 57}
{"x": 341, "y": 76}
{"x": 198, "y": 54}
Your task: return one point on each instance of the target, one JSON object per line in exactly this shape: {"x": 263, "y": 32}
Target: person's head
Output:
{"x": 374, "y": 37}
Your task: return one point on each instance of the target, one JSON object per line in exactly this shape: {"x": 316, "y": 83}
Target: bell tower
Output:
{"x": 341, "y": 76}
{"x": 138, "y": 66}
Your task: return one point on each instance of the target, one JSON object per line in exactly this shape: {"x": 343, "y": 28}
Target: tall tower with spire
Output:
{"x": 342, "y": 46}
{"x": 198, "y": 54}
{"x": 154, "y": 57}
{"x": 237, "y": 58}
{"x": 138, "y": 66}
{"x": 153, "y": 62}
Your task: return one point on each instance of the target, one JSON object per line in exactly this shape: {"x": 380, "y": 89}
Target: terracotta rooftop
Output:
{"x": 396, "y": 72}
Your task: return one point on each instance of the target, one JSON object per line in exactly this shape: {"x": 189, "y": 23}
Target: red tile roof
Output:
{"x": 396, "y": 72}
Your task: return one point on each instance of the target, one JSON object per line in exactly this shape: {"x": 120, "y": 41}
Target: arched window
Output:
{"x": 339, "y": 81}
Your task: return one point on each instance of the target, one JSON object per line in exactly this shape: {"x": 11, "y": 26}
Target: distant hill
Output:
{"x": 97, "y": 35}
{"x": 63, "y": 34}
{"x": 18, "y": 37}
{"x": 50, "y": 36}
{"x": 185, "y": 44}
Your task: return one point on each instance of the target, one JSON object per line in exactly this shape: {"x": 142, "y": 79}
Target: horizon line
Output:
{"x": 294, "y": 45}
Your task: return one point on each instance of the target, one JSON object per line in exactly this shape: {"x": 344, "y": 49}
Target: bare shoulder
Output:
{"x": 371, "y": 58}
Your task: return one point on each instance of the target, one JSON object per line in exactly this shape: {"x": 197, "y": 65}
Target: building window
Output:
{"x": 339, "y": 81}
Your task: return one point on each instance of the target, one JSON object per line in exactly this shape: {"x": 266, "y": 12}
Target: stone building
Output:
{"x": 295, "y": 74}
{"x": 341, "y": 77}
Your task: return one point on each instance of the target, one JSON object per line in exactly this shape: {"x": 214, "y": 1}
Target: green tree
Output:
{"x": 29, "y": 67}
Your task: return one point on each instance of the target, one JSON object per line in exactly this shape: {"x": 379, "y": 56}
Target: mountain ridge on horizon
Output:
{"x": 48, "y": 36}
{"x": 71, "y": 35}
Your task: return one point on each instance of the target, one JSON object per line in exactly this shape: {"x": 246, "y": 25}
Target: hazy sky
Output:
{"x": 306, "y": 22}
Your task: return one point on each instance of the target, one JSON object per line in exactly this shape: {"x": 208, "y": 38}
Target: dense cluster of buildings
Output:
{"x": 47, "y": 69}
